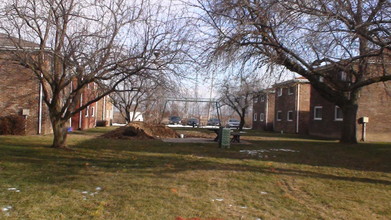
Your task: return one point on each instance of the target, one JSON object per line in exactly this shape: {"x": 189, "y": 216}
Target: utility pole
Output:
{"x": 210, "y": 94}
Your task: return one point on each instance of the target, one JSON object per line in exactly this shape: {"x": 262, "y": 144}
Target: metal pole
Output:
{"x": 218, "y": 112}
{"x": 364, "y": 129}
{"x": 164, "y": 109}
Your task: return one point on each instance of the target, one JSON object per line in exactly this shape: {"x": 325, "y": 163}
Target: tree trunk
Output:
{"x": 60, "y": 133}
{"x": 242, "y": 121}
{"x": 348, "y": 135}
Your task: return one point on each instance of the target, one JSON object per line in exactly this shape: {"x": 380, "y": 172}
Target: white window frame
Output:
{"x": 279, "y": 119}
{"x": 279, "y": 92}
{"x": 335, "y": 114}
{"x": 261, "y": 117}
{"x": 87, "y": 111}
{"x": 289, "y": 90}
{"x": 344, "y": 76}
{"x": 263, "y": 98}
{"x": 256, "y": 100}
{"x": 93, "y": 111}
{"x": 255, "y": 116}
{"x": 287, "y": 116}
{"x": 315, "y": 108}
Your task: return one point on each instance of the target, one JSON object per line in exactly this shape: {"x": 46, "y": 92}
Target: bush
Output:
{"x": 12, "y": 125}
{"x": 101, "y": 123}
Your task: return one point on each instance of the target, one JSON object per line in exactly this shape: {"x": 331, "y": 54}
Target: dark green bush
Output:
{"x": 12, "y": 125}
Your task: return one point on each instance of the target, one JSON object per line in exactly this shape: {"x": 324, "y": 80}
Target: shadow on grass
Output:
{"x": 46, "y": 165}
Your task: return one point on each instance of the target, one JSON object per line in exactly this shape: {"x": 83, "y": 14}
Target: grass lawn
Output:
{"x": 278, "y": 177}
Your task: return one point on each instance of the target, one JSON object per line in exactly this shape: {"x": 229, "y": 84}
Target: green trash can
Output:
{"x": 224, "y": 140}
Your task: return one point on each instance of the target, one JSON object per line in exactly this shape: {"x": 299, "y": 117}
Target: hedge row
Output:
{"x": 12, "y": 125}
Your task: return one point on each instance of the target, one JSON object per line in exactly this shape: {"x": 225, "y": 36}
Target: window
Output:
{"x": 279, "y": 115}
{"x": 338, "y": 116}
{"x": 255, "y": 116}
{"x": 262, "y": 98}
{"x": 256, "y": 100}
{"x": 318, "y": 113}
{"x": 291, "y": 90}
{"x": 92, "y": 111}
{"x": 279, "y": 91}
{"x": 261, "y": 117}
{"x": 321, "y": 79}
{"x": 289, "y": 116}
{"x": 343, "y": 76}
{"x": 87, "y": 110}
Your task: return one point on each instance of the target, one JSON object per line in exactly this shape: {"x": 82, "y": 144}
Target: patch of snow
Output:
{"x": 261, "y": 151}
{"x": 284, "y": 149}
{"x": 263, "y": 193}
{"x": 6, "y": 208}
{"x": 118, "y": 124}
{"x": 219, "y": 200}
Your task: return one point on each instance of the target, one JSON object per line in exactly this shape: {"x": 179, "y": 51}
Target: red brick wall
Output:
{"x": 375, "y": 103}
{"x": 260, "y": 107}
{"x": 19, "y": 89}
{"x": 270, "y": 113}
{"x": 288, "y": 102}
{"x": 327, "y": 127}
{"x": 304, "y": 107}
{"x": 82, "y": 120}
{"x": 104, "y": 110}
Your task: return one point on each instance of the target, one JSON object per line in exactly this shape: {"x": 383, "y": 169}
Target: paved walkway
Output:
{"x": 196, "y": 140}
{"x": 189, "y": 140}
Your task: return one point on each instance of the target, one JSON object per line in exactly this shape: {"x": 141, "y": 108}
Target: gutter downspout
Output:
{"x": 70, "y": 119}
{"x": 40, "y": 108}
{"x": 104, "y": 108}
{"x": 297, "y": 108}
{"x": 80, "y": 116}
{"x": 266, "y": 111}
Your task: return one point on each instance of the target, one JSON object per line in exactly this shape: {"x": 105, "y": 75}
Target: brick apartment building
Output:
{"x": 87, "y": 117}
{"x": 299, "y": 108}
{"x": 20, "y": 91}
{"x": 105, "y": 110}
{"x": 374, "y": 102}
{"x": 292, "y": 99}
{"x": 263, "y": 110}
{"x": 21, "y": 94}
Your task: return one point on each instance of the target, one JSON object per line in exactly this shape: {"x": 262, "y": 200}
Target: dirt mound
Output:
{"x": 141, "y": 130}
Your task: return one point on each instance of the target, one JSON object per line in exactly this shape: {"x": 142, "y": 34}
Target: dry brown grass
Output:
{"x": 149, "y": 179}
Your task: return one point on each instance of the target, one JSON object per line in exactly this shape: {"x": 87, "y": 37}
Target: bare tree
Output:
{"x": 85, "y": 41}
{"x": 137, "y": 95}
{"x": 237, "y": 92}
{"x": 339, "y": 46}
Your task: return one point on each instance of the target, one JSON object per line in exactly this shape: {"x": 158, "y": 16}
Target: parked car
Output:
{"x": 214, "y": 122}
{"x": 173, "y": 120}
{"x": 193, "y": 122}
{"x": 233, "y": 123}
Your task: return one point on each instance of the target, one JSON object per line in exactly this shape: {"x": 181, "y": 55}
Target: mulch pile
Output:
{"x": 142, "y": 131}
